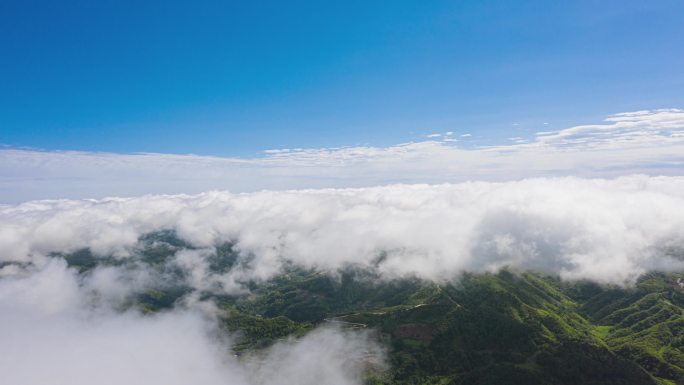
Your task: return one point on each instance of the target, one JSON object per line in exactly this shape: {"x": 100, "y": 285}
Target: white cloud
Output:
{"x": 605, "y": 230}
{"x": 433, "y": 135}
{"x": 51, "y": 334}
{"x": 625, "y": 130}
{"x": 648, "y": 142}
{"x": 325, "y": 356}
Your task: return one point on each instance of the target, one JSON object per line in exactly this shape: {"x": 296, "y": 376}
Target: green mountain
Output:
{"x": 500, "y": 328}
{"x": 504, "y": 328}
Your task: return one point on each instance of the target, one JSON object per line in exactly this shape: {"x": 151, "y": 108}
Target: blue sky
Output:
{"x": 237, "y": 78}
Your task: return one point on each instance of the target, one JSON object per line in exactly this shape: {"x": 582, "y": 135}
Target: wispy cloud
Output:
{"x": 648, "y": 142}
{"x": 625, "y": 130}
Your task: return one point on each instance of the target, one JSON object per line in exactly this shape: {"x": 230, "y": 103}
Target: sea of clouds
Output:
{"x": 606, "y": 230}
{"x": 61, "y": 327}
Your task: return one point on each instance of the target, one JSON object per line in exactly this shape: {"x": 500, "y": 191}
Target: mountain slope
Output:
{"x": 504, "y": 328}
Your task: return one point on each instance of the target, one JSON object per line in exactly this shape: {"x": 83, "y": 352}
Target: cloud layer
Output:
{"x": 647, "y": 142}
{"x": 604, "y": 230}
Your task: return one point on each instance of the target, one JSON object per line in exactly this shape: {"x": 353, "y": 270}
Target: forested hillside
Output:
{"x": 503, "y": 328}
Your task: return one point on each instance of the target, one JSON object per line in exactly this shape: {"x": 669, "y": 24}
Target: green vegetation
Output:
{"x": 504, "y": 328}
{"x": 258, "y": 332}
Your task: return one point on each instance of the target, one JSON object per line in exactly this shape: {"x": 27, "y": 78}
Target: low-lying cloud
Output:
{"x": 52, "y": 333}
{"x": 610, "y": 231}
